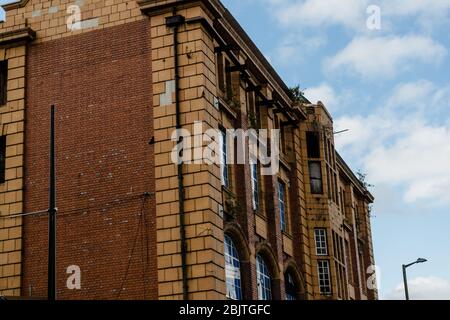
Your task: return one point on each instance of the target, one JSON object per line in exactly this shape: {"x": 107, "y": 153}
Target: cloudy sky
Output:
{"x": 391, "y": 88}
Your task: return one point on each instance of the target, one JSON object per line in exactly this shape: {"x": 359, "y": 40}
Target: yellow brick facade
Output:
{"x": 204, "y": 226}
{"x": 11, "y": 193}
{"x": 207, "y": 38}
{"x": 50, "y": 19}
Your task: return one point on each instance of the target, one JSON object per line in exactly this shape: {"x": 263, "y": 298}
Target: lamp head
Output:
{"x": 421, "y": 260}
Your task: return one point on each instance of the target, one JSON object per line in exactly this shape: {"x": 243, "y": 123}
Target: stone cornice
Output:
{"x": 17, "y": 36}
{"x": 224, "y": 21}
{"x": 15, "y": 5}
{"x": 352, "y": 177}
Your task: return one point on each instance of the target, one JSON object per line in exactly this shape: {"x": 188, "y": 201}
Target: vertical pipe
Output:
{"x": 52, "y": 214}
{"x": 405, "y": 282}
{"x": 180, "y": 164}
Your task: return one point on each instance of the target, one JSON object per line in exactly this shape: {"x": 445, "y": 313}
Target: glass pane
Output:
{"x": 232, "y": 270}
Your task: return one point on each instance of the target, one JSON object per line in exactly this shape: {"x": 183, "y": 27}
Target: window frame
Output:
{"x": 321, "y": 241}
{"x": 263, "y": 279}
{"x": 324, "y": 277}
{"x": 220, "y": 72}
{"x": 254, "y": 178}
{"x": 313, "y": 144}
{"x": 224, "y": 170}
{"x": 290, "y": 287}
{"x": 282, "y": 206}
{"x": 313, "y": 178}
{"x": 232, "y": 260}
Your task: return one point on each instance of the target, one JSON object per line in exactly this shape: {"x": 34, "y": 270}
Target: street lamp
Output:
{"x": 405, "y": 281}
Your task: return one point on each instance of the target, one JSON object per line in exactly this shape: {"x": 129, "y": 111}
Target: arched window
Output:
{"x": 232, "y": 270}
{"x": 263, "y": 279}
{"x": 289, "y": 284}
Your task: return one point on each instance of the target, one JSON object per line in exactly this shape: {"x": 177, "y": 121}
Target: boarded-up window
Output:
{"x": 220, "y": 72}
{"x": 3, "y": 81}
{"x": 312, "y": 144}
{"x": 2, "y": 158}
{"x": 228, "y": 80}
{"x": 315, "y": 176}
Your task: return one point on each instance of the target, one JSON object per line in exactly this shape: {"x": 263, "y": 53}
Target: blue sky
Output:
{"x": 391, "y": 88}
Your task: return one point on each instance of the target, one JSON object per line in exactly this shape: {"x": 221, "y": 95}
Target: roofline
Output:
{"x": 224, "y": 13}
{"x": 352, "y": 177}
{"x": 226, "y": 21}
{"x": 254, "y": 49}
{"x": 14, "y": 5}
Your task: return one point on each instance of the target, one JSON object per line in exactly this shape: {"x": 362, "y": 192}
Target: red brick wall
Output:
{"x": 100, "y": 82}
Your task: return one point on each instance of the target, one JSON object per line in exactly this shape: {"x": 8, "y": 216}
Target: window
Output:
{"x": 362, "y": 269}
{"x": 220, "y": 72}
{"x": 330, "y": 191}
{"x": 323, "y": 268}
{"x": 3, "y": 81}
{"x": 263, "y": 279}
{"x": 2, "y": 158}
{"x": 255, "y": 186}
{"x": 315, "y": 176}
{"x": 320, "y": 236}
{"x": 289, "y": 284}
{"x": 313, "y": 144}
{"x": 232, "y": 270}
{"x": 341, "y": 200}
{"x": 228, "y": 80}
{"x": 349, "y": 262}
{"x": 283, "y": 139}
{"x": 224, "y": 159}
{"x": 335, "y": 189}
{"x": 278, "y": 126}
{"x": 282, "y": 205}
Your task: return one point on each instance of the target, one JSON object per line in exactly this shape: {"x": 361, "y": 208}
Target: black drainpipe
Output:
{"x": 175, "y": 22}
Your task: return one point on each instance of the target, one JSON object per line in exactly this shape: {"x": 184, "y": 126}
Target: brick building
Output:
{"x": 138, "y": 225}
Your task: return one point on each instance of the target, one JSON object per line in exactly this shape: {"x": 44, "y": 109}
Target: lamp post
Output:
{"x": 405, "y": 281}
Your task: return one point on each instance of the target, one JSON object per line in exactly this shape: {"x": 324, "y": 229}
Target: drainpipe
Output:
{"x": 175, "y": 21}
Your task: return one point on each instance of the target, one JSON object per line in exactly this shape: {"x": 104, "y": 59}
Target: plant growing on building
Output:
{"x": 233, "y": 101}
{"x": 296, "y": 94}
{"x": 362, "y": 177}
{"x": 252, "y": 122}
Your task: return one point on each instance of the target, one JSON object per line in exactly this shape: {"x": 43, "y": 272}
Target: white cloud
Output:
{"x": 426, "y": 14}
{"x": 375, "y": 58}
{"x": 421, "y": 96}
{"x": 415, "y": 7}
{"x": 402, "y": 148}
{"x": 352, "y": 13}
{"x": 411, "y": 94}
{"x": 323, "y": 93}
{"x": 314, "y": 13}
{"x": 418, "y": 158}
{"x": 422, "y": 288}
{"x": 295, "y": 47}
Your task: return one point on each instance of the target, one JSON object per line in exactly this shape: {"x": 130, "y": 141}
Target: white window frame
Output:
{"x": 282, "y": 206}
{"x": 232, "y": 270}
{"x": 320, "y": 239}
{"x": 263, "y": 279}
{"x": 255, "y": 185}
{"x": 224, "y": 173}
